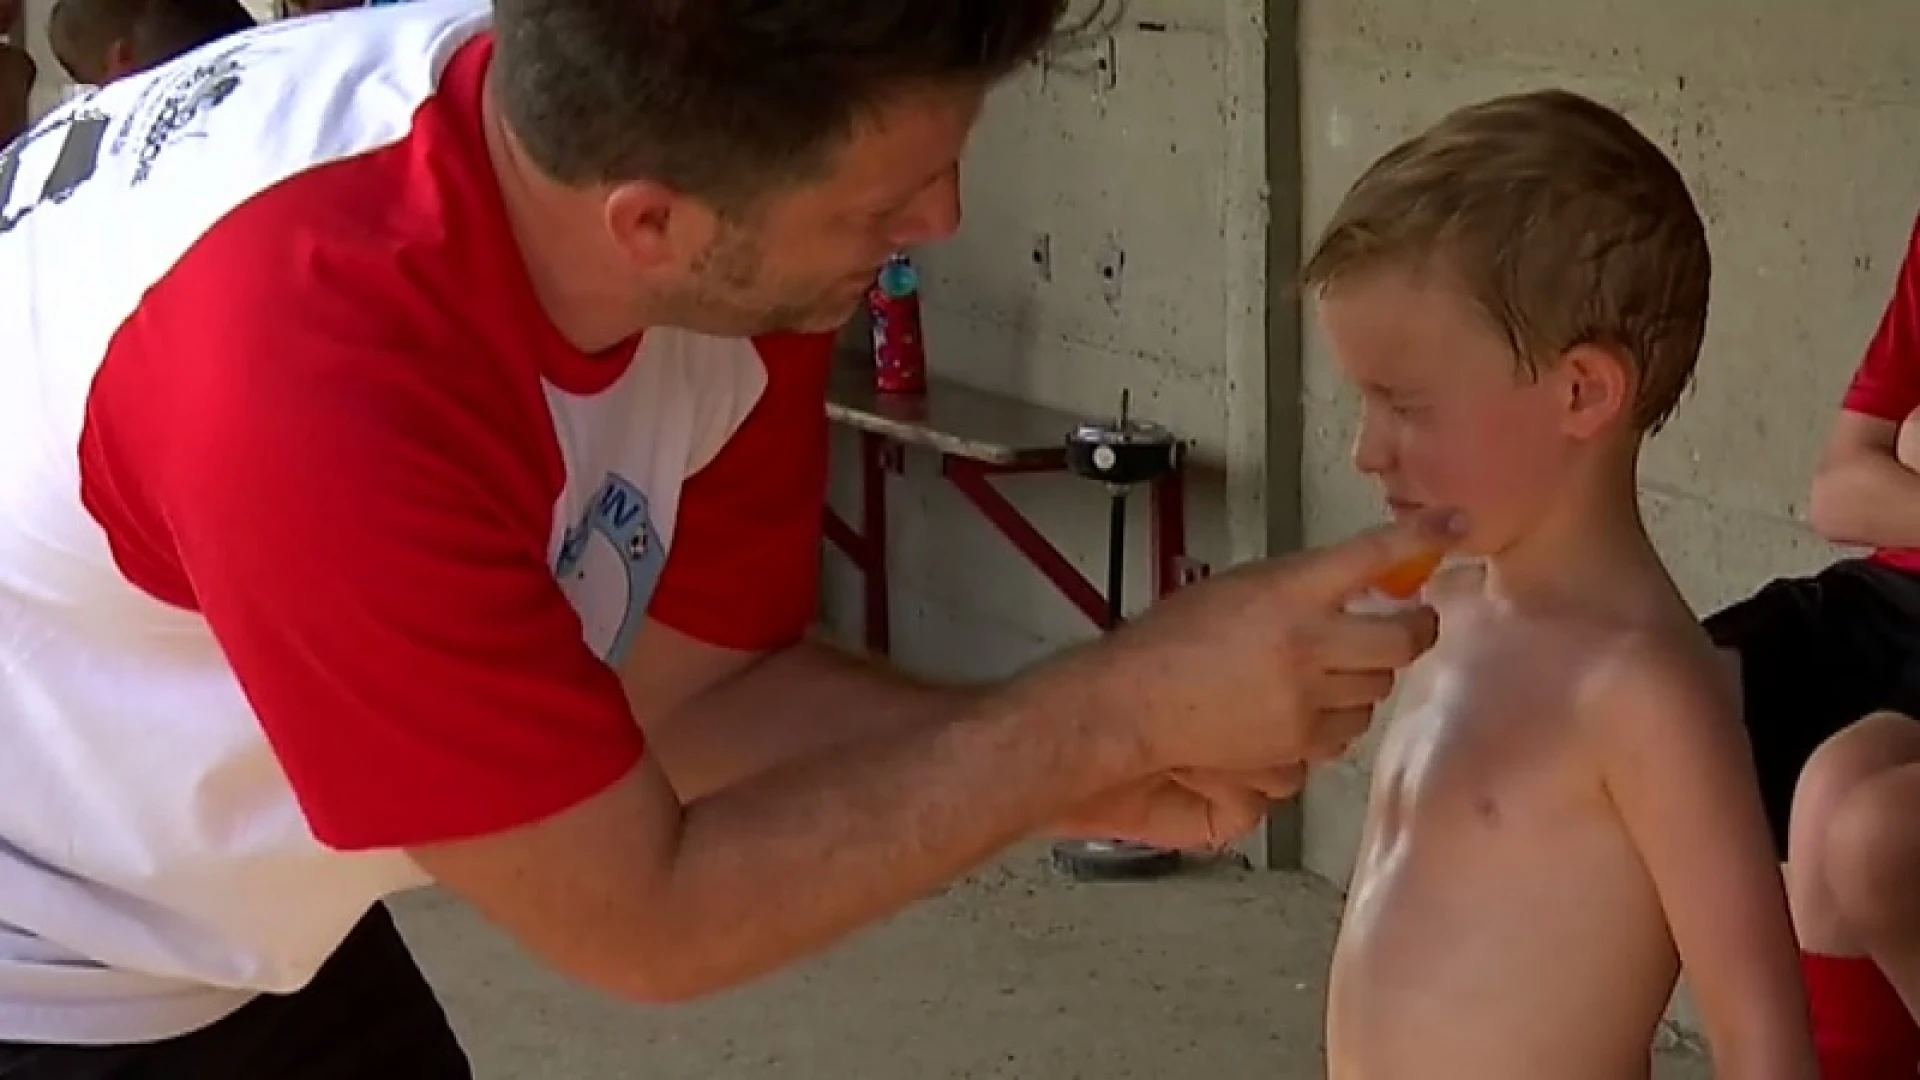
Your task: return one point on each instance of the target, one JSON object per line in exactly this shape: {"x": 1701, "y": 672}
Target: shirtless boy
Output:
{"x": 1564, "y": 812}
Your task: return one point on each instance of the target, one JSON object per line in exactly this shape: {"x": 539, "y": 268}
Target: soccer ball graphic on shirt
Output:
{"x": 609, "y": 562}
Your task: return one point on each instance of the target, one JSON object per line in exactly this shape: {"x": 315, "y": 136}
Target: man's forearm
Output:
{"x": 1867, "y": 500}
{"x": 782, "y": 864}
{"x": 790, "y": 705}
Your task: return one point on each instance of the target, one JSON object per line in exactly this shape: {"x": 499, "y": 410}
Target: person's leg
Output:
{"x": 369, "y": 1012}
{"x": 1801, "y": 676}
{"x": 1850, "y": 872}
{"x": 1813, "y": 657}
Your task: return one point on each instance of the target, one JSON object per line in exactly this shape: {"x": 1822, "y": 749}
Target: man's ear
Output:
{"x": 1599, "y": 385}
{"x": 120, "y": 61}
{"x": 655, "y": 226}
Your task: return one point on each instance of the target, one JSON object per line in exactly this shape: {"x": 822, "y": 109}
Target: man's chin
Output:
{"x": 821, "y": 320}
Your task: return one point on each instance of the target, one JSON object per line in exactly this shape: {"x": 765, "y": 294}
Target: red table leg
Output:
{"x": 1171, "y": 566}
{"x": 866, "y": 547}
{"x": 875, "y": 455}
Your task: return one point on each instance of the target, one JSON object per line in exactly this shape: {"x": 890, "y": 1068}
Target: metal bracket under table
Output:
{"x": 979, "y": 435}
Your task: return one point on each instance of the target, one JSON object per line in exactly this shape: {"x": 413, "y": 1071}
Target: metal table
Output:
{"x": 979, "y": 435}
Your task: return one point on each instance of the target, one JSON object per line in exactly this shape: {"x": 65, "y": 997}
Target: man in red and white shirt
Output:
{"x": 412, "y": 460}
{"x": 1830, "y": 674}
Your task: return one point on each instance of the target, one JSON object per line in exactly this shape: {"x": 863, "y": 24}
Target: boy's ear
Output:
{"x": 1599, "y": 386}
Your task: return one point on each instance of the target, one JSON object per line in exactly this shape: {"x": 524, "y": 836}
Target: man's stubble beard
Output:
{"x": 728, "y": 296}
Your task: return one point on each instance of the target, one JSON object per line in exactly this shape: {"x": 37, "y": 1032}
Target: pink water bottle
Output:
{"x": 893, "y": 307}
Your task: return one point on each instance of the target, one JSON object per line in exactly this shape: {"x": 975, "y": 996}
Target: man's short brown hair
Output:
{"x": 727, "y": 99}
{"x": 1558, "y": 219}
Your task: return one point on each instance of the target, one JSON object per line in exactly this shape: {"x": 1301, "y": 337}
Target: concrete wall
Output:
{"x": 1142, "y": 149}
{"x": 51, "y": 81}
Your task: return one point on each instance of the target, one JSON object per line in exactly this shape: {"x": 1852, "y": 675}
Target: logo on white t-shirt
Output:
{"x": 184, "y": 102}
{"x": 609, "y": 562}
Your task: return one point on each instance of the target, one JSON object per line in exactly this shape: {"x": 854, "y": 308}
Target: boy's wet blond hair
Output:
{"x": 1558, "y": 219}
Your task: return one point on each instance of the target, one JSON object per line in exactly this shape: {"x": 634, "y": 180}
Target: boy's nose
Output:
{"x": 1372, "y": 449}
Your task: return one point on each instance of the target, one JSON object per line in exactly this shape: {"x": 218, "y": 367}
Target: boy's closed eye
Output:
{"x": 1400, "y": 402}
{"x": 1409, "y": 408}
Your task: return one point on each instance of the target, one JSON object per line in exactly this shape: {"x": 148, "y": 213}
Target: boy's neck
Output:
{"x": 1590, "y": 550}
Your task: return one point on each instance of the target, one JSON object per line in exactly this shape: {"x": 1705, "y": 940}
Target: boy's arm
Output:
{"x": 1865, "y": 490}
{"x": 1863, "y": 493}
{"x": 1906, "y": 446}
{"x": 1676, "y": 763}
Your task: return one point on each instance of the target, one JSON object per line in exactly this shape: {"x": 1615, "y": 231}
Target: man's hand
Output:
{"x": 1185, "y": 809}
{"x": 1262, "y": 666}
{"x": 1325, "y": 669}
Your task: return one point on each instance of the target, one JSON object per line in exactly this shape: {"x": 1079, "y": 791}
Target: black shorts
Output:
{"x": 367, "y": 1015}
{"x": 1816, "y": 655}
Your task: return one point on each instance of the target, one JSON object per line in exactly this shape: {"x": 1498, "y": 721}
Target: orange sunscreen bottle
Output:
{"x": 1398, "y": 587}
{"x": 1404, "y": 579}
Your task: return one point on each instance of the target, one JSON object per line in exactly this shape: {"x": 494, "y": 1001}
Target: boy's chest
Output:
{"x": 1485, "y": 734}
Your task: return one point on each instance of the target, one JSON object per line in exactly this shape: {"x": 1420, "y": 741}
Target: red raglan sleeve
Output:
{"x": 744, "y": 570}
{"x": 362, "y": 520}
{"x": 1887, "y": 383}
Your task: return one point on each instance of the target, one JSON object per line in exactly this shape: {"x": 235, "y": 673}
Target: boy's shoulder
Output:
{"x": 1652, "y": 659}
{"x": 1645, "y": 681}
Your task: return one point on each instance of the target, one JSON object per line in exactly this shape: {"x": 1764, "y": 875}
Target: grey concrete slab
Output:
{"x": 1012, "y": 974}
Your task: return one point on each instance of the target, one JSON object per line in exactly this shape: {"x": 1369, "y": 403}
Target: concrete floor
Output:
{"x": 1012, "y": 974}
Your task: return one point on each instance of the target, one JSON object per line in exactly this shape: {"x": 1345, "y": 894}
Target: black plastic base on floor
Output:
{"x": 1113, "y": 860}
